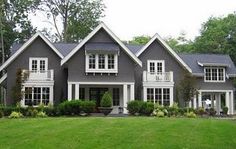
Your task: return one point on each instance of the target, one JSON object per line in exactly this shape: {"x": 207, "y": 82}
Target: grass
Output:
{"x": 123, "y": 133}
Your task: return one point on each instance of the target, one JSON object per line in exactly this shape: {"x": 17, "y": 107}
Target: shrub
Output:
{"x": 200, "y": 111}
{"x": 87, "y": 106}
{"x": 160, "y": 114}
{"x": 1, "y": 114}
{"x": 41, "y": 114}
{"x": 8, "y": 110}
{"x": 212, "y": 112}
{"x": 69, "y": 107}
{"x": 225, "y": 110}
{"x": 32, "y": 112}
{"x": 147, "y": 108}
{"x": 106, "y": 100}
{"x": 51, "y": 111}
{"x": 134, "y": 107}
{"x": 15, "y": 115}
{"x": 191, "y": 115}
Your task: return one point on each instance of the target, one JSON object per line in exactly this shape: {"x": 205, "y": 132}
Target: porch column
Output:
{"x": 131, "y": 92}
{"x": 125, "y": 88}
{"x": 51, "y": 95}
{"x": 227, "y": 100}
{"x": 77, "y": 91}
{"x": 144, "y": 93}
{"x": 69, "y": 92}
{"x": 232, "y": 102}
{"x": 190, "y": 104}
{"x": 171, "y": 96}
{"x": 194, "y": 101}
{"x": 200, "y": 99}
{"x": 217, "y": 103}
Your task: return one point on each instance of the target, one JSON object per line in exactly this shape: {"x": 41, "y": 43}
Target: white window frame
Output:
{"x": 38, "y": 59}
{"x": 97, "y": 69}
{"x": 155, "y": 65}
{"x": 205, "y": 80}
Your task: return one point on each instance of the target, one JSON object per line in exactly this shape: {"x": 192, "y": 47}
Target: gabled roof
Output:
{"x": 102, "y": 25}
{"x": 26, "y": 44}
{"x": 134, "y": 48}
{"x": 194, "y": 61}
{"x": 165, "y": 45}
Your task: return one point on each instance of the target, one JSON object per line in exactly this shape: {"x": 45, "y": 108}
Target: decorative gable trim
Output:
{"x": 102, "y": 25}
{"x": 170, "y": 50}
{"x": 26, "y": 44}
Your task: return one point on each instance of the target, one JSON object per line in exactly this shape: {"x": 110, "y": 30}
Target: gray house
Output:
{"x": 101, "y": 62}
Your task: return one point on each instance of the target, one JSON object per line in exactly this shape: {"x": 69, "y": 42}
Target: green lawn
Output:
{"x": 131, "y": 132}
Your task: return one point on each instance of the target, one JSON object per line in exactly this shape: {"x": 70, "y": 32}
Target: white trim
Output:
{"x": 25, "y": 45}
{"x": 102, "y": 83}
{"x": 102, "y": 25}
{"x": 213, "y": 64}
{"x": 38, "y": 83}
{"x": 3, "y": 78}
{"x": 158, "y": 84}
{"x": 156, "y": 36}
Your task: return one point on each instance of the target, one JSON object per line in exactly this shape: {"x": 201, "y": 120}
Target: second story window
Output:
{"x": 214, "y": 74}
{"x": 101, "y": 63}
{"x": 38, "y": 64}
{"x": 155, "y": 66}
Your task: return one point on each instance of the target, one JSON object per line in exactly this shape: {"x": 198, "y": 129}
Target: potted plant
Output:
{"x": 106, "y": 104}
{"x": 225, "y": 110}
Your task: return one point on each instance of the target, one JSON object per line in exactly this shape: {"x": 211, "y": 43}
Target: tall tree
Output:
{"x": 218, "y": 35}
{"x": 77, "y": 17}
{"x": 140, "y": 40}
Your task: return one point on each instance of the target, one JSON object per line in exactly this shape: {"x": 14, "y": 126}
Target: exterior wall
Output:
{"x": 157, "y": 52}
{"x": 227, "y": 85}
{"x": 76, "y": 65}
{"x": 38, "y": 49}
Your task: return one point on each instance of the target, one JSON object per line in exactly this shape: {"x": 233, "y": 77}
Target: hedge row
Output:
{"x": 140, "y": 107}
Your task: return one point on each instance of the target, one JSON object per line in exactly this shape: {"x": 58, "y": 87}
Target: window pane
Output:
{"x": 34, "y": 65}
{"x": 81, "y": 93}
{"x": 208, "y": 74}
{"x": 152, "y": 67}
{"x": 37, "y": 95}
{"x": 158, "y": 96}
{"x": 221, "y": 74}
{"x": 166, "y": 96}
{"x": 101, "y": 61}
{"x": 150, "y": 94}
{"x": 159, "y": 67}
{"x": 214, "y": 74}
{"x": 45, "y": 95}
{"x": 116, "y": 96}
{"x": 92, "y": 61}
{"x": 42, "y": 65}
{"x": 28, "y": 96}
{"x": 111, "y": 61}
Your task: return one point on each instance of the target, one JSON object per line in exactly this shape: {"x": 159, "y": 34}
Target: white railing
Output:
{"x": 39, "y": 75}
{"x": 158, "y": 77}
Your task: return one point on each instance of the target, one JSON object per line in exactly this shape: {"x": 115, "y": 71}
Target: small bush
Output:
{"x": 212, "y": 112}
{"x": 134, "y": 107}
{"x": 147, "y": 108}
{"x": 31, "y": 112}
{"x": 1, "y": 114}
{"x": 106, "y": 100}
{"x": 51, "y": 111}
{"x": 225, "y": 110}
{"x": 7, "y": 110}
{"x": 69, "y": 107}
{"x": 15, "y": 115}
{"x": 200, "y": 111}
{"x": 191, "y": 115}
{"x": 160, "y": 114}
{"x": 41, "y": 114}
{"x": 87, "y": 106}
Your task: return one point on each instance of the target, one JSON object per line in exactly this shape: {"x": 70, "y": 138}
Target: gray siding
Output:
{"x": 227, "y": 85}
{"x": 76, "y": 65}
{"x": 157, "y": 52}
{"x": 38, "y": 49}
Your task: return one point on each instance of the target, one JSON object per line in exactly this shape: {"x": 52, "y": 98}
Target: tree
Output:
{"x": 140, "y": 40}
{"x": 187, "y": 87}
{"x": 77, "y": 17}
{"x": 218, "y": 35}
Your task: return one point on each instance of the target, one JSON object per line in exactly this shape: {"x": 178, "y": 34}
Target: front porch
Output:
{"x": 121, "y": 92}
{"x": 216, "y": 99}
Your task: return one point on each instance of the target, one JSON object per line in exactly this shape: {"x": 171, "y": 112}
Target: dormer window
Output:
{"x": 38, "y": 64}
{"x": 214, "y": 74}
{"x": 101, "y": 63}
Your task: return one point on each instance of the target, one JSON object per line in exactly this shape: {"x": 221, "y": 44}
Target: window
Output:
{"x": 81, "y": 93}
{"x": 101, "y": 63}
{"x": 214, "y": 74}
{"x": 38, "y": 64}
{"x": 111, "y": 61}
{"x": 92, "y": 61}
{"x": 156, "y": 66}
{"x": 159, "y": 95}
{"x": 116, "y": 96}
{"x": 34, "y": 96}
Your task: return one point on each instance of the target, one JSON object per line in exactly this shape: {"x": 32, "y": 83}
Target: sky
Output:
{"x": 129, "y": 18}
